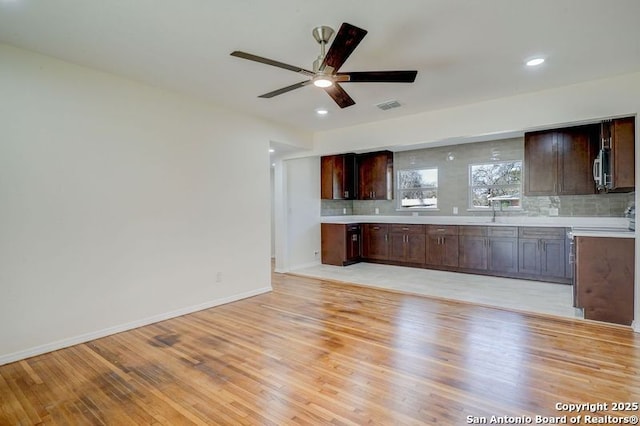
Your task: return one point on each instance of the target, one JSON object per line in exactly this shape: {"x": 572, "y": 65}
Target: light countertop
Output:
{"x": 581, "y": 226}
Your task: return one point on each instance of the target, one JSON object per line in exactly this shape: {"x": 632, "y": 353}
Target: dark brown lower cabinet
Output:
{"x": 542, "y": 254}
{"x": 375, "y": 241}
{"x": 535, "y": 253}
{"x": 604, "y": 278}
{"x": 503, "y": 250}
{"x": 489, "y": 249}
{"x": 473, "y": 252}
{"x": 341, "y": 244}
{"x": 442, "y": 246}
{"x": 407, "y": 243}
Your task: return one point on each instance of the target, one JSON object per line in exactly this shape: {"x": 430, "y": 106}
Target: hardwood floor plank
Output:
{"x": 322, "y": 352}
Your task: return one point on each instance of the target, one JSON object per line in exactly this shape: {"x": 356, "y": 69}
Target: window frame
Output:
{"x": 471, "y": 187}
{"x": 401, "y": 191}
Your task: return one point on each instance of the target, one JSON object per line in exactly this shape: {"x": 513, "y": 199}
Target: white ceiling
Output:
{"x": 464, "y": 50}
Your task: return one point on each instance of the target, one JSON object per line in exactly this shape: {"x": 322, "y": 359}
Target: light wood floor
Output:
{"x": 320, "y": 352}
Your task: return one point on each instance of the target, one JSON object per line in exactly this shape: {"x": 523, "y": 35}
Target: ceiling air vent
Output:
{"x": 388, "y": 105}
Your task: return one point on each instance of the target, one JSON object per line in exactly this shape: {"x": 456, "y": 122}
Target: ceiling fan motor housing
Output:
{"x": 322, "y": 34}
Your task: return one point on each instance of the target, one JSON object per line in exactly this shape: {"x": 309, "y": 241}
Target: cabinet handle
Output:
{"x": 354, "y": 237}
{"x": 386, "y": 237}
{"x": 346, "y": 194}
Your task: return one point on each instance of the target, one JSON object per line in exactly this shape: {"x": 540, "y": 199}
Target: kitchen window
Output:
{"x": 418, "y": 189}
{"x": 497, "y": 184}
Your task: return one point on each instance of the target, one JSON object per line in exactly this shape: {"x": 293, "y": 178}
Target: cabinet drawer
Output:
{"x": 442, "y": 229}
{"x": 539, "y": 232}
{"x": 503, "y": 231}
{"x": 407, "y": 229}
{"x": 473, "y": 231}
{"x": 377, "y": 227}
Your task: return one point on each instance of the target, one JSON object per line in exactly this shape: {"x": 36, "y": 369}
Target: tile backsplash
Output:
{"x": 453, "y": 191}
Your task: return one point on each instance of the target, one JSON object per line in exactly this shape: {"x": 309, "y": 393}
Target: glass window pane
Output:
{"x": 506, "y": 173}
{"x": 426, "y": 198}
{"x": 423, "y": 178}
{"x": 502, "y": 196}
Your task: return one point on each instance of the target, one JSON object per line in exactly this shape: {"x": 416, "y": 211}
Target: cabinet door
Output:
{"x": 529, "y": 256}
{"x": 450, "y": 253}
{"x": 397, "y": 246}
{"x": 540, "y": 163}
{"x": 553, "y": 260}
{"x": 333, "y": 247}
{"x": 416, "y": 248}
{"x": 473, "y": 252}
{"x": 376, "y": 244}
{"x": 577, "y": 149}
{"x": 604, "y": 278}
{"x": 337, "y": 177}
{"x": 375, "y": 176}
{"x": 435, "y": 250}
{"x": 623, "y": 154}
{"x": 503, "y": 255}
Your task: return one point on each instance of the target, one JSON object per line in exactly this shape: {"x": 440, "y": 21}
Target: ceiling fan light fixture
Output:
{"x": 322, "y": 81}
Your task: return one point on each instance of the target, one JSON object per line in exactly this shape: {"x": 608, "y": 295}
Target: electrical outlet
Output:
{"x": 377, "y": 210}
{"x": 553, "y": 211}
{"x": 455, "y": 210}
{"x": 344, "y": 210}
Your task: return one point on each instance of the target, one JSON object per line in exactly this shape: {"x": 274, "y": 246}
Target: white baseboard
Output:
{"x": 64, "y": 343}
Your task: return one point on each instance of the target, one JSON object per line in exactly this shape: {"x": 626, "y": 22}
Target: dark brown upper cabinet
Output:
{"x": 375, "y": 176}
{"x": 338, "y": 177}
{"x": 619, "y": 136}
{"x": 560, "y": 161}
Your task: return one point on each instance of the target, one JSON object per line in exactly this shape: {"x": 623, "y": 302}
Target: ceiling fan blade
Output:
{"x": 338, "y": 94}
{"x": 249, "y": 56}
{"x": 380, "y": 76}
{"x": 343, "y": 45}
{"x": 285, "y": 89}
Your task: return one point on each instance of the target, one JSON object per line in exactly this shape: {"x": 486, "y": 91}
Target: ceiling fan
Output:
{"x": 325, "y": 69}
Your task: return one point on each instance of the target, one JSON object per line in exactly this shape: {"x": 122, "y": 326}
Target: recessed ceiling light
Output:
{"x": 272, "y": 150}
{"x": 535, "y": 62}
{"x": 322, "y": 111}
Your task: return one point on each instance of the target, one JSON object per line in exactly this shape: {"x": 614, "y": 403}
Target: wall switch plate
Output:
{"x": 455, "y": 210}
{"x": 553, "y": 211}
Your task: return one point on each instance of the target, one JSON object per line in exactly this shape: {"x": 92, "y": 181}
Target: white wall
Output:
{"x": 580, "y": 102}
{"x": 122, "y": 204}
{"x": 297, "y": 213}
